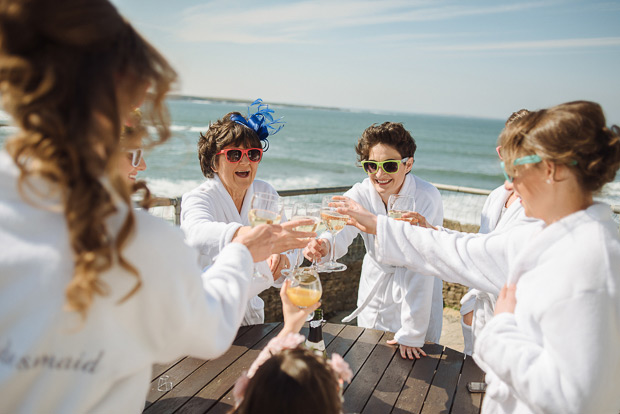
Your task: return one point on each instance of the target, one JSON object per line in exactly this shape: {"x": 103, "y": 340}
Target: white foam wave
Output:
{"x": 178, "y": 127}
{"x": 199, "y": 128}
{"x": 294, "y": 183}
{"x": 4, "y": 116}
{"x": 162, "y": 187}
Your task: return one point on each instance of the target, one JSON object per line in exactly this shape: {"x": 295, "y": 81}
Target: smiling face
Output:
{"x": 236, "y": 177}
{"x": 529, "y": 184}
{"x": 387, "y": 184}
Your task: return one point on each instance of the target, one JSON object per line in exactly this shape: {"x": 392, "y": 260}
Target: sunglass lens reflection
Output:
{"x": 370, "y": 167}
{"x": 390, "y": 167}
{"x": 233, "y": 155}
{"x": 254, "y": 155}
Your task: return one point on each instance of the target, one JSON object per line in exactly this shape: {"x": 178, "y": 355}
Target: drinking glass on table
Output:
{"x": 264, "y": 209}
{"x": 305, "y": 288}
{"x": 334, "y": 223}
{"x": 399, "y": 205}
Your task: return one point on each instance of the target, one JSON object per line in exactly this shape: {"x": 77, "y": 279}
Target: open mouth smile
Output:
{"x": 242, "y": 174}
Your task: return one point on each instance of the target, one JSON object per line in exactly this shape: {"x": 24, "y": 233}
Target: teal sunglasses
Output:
{"x": 529, "y": 159}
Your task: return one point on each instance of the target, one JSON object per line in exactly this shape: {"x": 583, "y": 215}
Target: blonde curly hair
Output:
{"x": 65, "y": 68}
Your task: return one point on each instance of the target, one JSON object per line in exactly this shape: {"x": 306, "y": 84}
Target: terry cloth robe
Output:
{"x": 52, "y": 360}
{"x": 210, "y": 219}
{"x": 393, "y": 298}
{"x": 494, "y": 217}
{"x": 559, "y": 352}
{"x": 471, "y": 259}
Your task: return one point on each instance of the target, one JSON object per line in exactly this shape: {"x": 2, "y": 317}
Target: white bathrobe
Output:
{"x": 471, "y": 259}
{"x": 494, "y": 217}
{"x": 560, "y": 350}
{"x": 210, "y": 219}
{"x": 53, "y": 361}
{"x": 392, "y": 298}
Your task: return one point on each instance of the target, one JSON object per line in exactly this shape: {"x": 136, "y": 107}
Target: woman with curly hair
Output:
{"x": 92, "y": 293}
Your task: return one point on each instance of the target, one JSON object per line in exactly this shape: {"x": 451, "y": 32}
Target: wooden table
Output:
{"x": 383, "y": 382}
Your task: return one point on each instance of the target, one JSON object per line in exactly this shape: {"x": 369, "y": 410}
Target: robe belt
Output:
{"x": 388, "y": 271}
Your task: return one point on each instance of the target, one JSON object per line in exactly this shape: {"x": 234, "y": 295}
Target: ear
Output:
{"x": 409, "y": 165}
{"x": 549, "y": 168}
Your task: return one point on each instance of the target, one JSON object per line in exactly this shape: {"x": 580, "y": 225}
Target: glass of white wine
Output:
{"x": 305, "y": 288}
{"x": 305, "y": 211}
{"x": 264, "y": 209}
{"x": 334, "y": 222}
{"x": 399, "y": 205}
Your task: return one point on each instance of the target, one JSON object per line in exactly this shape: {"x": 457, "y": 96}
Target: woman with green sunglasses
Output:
{"x": 553, "y": 343}
{"x": 391, "y": 298}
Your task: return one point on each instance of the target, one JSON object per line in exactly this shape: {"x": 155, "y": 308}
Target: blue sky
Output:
{"x": 472, "y": 58}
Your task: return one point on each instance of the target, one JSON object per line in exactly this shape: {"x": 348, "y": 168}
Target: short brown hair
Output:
{"x": 220, "y": 134}
{"x": 572, "y": 133}
{"x": 293, "y": 381}
{"x": 388, "y": 133}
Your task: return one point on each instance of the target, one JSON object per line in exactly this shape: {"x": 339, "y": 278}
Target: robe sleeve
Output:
{"x": 476, "y": 260}
{"x": 202, "y": 230}
{"x": 415, "y": 309}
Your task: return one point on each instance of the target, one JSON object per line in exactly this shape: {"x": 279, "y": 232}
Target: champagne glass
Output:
{"x": 398, "y": 205}
{"x": 306, "y": 211}
{"x": 305, "y": 288}
{"x": 264, "y": 209}
{"x": 334, "y": 222}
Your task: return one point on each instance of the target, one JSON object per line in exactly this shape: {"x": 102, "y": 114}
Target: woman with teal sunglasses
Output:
{"x": 553, "y": 344}
{"x": 393, "y": 299}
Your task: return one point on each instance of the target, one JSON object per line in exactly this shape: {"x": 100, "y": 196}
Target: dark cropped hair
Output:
{"x": 220, "y": 134}
{"x": 574, "y": 134}
{"x": 388, "y": 133}
{"x": 292, "y": 381}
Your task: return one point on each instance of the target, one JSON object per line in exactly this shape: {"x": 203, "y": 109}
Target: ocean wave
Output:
{"x": 162, "y": 187}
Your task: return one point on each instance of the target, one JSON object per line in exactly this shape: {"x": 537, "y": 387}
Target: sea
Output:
{"x": 315, "y": 148}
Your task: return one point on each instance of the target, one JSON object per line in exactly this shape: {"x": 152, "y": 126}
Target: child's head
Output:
{"x": 293, "y": 381}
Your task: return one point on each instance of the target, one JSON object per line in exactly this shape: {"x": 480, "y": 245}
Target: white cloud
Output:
{"x": 531, "y": 45}
{"x": 228, "y": 22}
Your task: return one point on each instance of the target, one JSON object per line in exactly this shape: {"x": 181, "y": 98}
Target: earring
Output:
{"x": 549, "y": 181}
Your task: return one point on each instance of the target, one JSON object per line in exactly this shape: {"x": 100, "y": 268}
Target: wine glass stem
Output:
{"x": 332, "y": 253}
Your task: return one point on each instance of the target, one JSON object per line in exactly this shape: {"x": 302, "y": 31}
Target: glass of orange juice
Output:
{"x": 305, "y": 288}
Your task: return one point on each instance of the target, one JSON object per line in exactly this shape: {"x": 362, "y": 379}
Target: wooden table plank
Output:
{"x": 387, "y": 391}
{"x": 185, "y": 389}
{"x": 369, "y": 375}
{"x": 417, "y": 384}
{"x": 441, "y": 393}
{"x": 466, "y": 402}
{"x": 357, "y": 355}
{"x": 330, "y": 332}
{"x": 344, "y": 341}
{"x": 209, "y": 395}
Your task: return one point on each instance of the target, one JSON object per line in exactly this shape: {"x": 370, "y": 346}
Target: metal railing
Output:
{"x": 444, "y": 188}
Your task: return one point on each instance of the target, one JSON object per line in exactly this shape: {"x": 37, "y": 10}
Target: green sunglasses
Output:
{"x": 389, "y": 166}
{"x": 529, "y": 159}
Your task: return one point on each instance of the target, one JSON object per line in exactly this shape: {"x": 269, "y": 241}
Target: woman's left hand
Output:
{"x": 507, "y": 299}
{"x": 276, "y": 263}
{"x": 358, "y": 215}
{"x": 409, "y": 352}
{"x": 294, "y": 316}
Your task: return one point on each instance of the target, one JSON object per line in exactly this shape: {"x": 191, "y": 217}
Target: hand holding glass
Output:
{"x": 305, "y": 289}
{"x": 399, "y": 205}
{"x": 264, "y": 209}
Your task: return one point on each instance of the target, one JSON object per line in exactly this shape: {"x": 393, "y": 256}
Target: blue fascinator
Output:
{"x": 261, "y": 121}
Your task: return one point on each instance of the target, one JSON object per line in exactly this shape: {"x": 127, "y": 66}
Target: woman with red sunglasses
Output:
{"x": 391, "y": 298}
{"x": 216, "y": 212}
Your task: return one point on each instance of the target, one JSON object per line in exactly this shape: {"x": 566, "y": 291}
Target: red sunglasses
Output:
{"x": 498, "y": 153}
{"x": 235, "y": 155}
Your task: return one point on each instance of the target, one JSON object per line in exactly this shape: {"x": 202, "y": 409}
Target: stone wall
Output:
{"x": 340, "y": 288}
